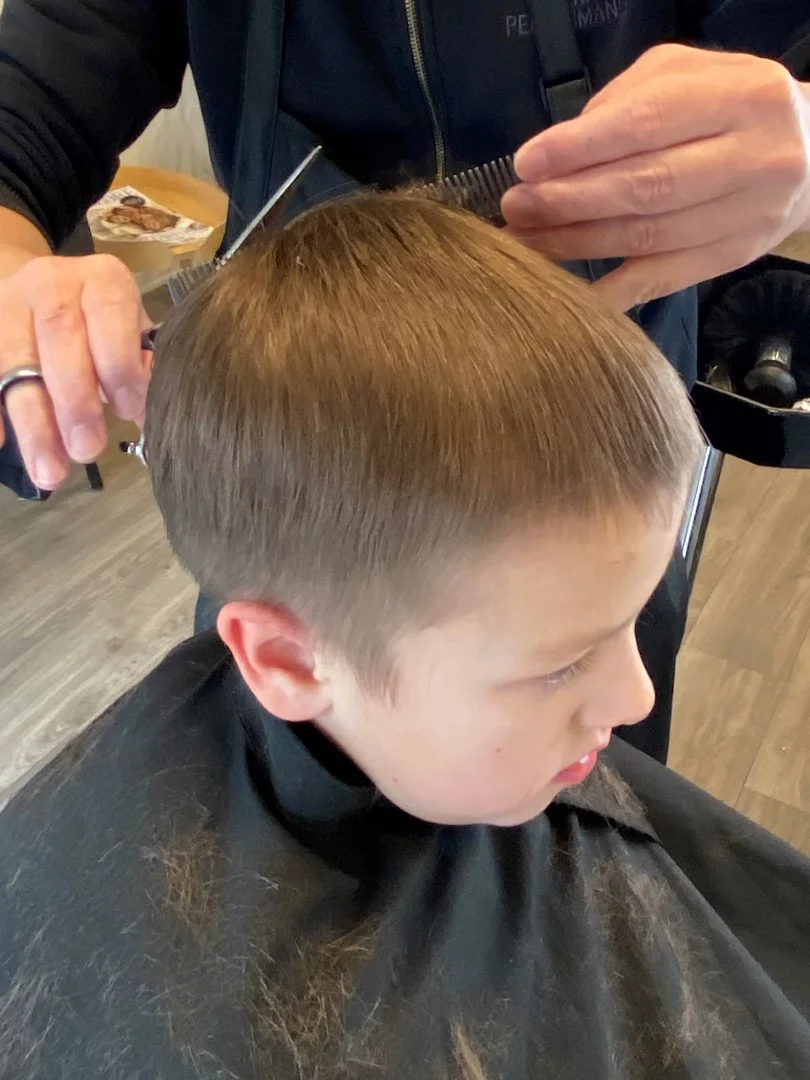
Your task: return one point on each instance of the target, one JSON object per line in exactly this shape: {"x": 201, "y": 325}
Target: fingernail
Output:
{"x": 48, "y": 472}
{"x": 128, "y": 403}
{"x": 86, "y": 441}
{"x": 531, "y": 163}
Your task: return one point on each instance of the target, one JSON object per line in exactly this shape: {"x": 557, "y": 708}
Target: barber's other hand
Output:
{"x": 80, "y": 320}
{"x": 689, "y": 164}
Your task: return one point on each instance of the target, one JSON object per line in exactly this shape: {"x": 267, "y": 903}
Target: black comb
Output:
{"x": 479, "y": 190}
{"x": 181, "y": 284}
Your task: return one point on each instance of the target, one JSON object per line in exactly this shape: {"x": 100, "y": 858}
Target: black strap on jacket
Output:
{"x": 566, "y": 84}
{"x": 255, "y": 136}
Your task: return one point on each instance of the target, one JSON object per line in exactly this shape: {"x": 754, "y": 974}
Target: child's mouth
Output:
{"x": 577, "y": 772}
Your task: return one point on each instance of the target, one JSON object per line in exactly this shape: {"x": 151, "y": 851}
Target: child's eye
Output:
{"x": 566, "y": 674}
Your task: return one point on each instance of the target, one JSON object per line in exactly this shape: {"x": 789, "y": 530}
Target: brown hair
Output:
{"x": 382, "y": 387}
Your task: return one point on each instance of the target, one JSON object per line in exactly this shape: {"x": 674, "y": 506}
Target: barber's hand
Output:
{"x": 80, "y": 321}
{"x": 689, "y": 164}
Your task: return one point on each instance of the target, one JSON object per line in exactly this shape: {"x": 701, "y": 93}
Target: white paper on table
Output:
{"x": 175, "y": 231}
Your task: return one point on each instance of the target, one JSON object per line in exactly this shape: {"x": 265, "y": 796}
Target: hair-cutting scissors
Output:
{"x": 271, "y": 215}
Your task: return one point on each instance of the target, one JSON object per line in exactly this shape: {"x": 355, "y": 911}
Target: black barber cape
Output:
{"x": 194, "y": 890}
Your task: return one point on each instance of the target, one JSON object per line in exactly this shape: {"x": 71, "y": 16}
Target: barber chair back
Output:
{"x": 753, "y": 391}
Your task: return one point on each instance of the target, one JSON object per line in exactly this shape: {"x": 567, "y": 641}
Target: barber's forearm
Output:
{"x": 20, "y": 241}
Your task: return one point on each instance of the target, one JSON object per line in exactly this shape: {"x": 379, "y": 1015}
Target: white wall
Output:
{"x": 175, "y": 139}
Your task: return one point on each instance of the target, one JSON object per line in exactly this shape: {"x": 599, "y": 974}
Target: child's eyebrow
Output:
{"x": 585, "y": 644}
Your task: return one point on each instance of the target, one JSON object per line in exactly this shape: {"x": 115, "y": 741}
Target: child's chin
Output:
{"x": 503, "y": 817}
{"x": 509, "y": 819}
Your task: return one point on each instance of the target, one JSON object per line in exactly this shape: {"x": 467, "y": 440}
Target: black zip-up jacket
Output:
{"x": 387, "y": 85}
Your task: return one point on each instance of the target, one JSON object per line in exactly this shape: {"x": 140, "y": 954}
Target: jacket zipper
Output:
{"x": 421, "y": 73}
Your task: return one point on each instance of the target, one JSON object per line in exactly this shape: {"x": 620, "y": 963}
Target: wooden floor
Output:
{"x": 90, "y": 599}
{"x": 742, "y": 710}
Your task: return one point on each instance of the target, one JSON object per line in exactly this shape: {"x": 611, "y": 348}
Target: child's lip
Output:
{"x": 578, "y": 772}
{"x": 601, "y": 745}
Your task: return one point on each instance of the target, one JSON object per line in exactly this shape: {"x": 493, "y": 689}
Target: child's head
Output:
{"x": 434, "y": 481}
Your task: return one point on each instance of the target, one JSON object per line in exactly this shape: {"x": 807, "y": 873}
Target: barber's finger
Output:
{"x": 113, "y": 314}
{"x": 54, "y": 290}
{"x": 632, "y": 237}
{"x": 28, "y": 405}
{"x": 41, "y": 448}
{"x": 653, "y": 183}
{"x": 639, "y": 280}
{"x": 623, "y": 125}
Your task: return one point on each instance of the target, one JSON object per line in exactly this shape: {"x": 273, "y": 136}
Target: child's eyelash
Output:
{"x": 564, "y": 675}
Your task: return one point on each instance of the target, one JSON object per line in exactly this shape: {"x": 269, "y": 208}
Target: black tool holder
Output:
{"x": 754, "y": 339}
{"x": 735, "y": 424}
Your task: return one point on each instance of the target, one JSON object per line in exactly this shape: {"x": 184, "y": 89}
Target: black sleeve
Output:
{"x": 79, "y": 81}
{"x": 779, "y": 29}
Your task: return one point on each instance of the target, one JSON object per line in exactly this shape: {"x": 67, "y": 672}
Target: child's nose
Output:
{"x": 639, "y": 695}
{"x": 626, "y": 695}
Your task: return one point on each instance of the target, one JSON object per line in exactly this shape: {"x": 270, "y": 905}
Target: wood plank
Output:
{"x": 786, "y": 821}
{"x": 714, "y": 559}
{"x": 91, "y": 600}
{"x": 781, "y": 769}
{"x": 741, "y": 493}
{"x": 759, "y": 617}
{"x": 719, "y": 722}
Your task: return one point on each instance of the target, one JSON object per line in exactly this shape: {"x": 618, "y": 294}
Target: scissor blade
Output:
{"x": 275, "y": 203}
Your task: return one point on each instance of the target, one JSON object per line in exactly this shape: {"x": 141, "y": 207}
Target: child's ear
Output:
{"x": 276, "y": 660}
